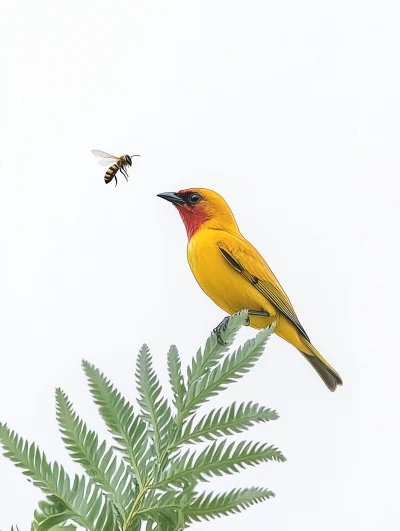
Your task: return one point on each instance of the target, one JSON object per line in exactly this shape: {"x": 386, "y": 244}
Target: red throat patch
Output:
{"x": 192, "y": 217}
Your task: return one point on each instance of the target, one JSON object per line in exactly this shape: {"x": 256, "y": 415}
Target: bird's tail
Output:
{"x": 328, "y": 374}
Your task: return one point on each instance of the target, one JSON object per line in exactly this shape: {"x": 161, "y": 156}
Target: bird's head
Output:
{"x": 201, "y": 208}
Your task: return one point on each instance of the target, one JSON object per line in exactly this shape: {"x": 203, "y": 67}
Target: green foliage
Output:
{"x": 155, "y": 409}
{"x": 98, "y": 461}
{"x": 79, "y": 499}
{"x": 209, "y": 506}
{"x": 152, "y": 477}
{"x": 176, "y": 378}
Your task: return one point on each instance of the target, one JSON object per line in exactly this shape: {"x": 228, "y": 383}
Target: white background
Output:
{"x": 288, "y": 109}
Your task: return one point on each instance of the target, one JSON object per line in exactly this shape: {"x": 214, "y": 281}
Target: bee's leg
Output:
{"x": 125, "y": 174}
{"x": 116, "y": 182}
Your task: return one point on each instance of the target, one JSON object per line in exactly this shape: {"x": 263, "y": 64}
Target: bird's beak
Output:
{"x": 172, "y": 198}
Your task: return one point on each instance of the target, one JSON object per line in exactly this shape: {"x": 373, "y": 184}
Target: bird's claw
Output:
{"x": 221, "y": 341}
{"x": 221, "y": 328}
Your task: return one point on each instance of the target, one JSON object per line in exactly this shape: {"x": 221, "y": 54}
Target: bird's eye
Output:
{"x": 194, "y": 198}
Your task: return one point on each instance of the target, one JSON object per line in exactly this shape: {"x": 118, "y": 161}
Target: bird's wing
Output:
{"x": 247, "y": 261}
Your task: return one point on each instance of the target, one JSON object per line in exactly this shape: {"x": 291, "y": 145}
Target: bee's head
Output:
{"x": 128, "y": 158}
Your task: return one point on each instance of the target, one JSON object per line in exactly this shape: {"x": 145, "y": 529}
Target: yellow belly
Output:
{"x": 232, "y": 292}
{"x": 225, "y": 286}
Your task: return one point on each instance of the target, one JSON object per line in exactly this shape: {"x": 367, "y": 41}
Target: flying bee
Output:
{"x": 115, "y": 164}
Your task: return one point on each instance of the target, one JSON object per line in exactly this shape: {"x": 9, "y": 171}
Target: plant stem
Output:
{"x": 132, "y": 512}
{"x": 167, "y": 451}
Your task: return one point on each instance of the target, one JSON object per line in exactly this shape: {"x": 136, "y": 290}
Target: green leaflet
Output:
{"x": 216, "y": 460}
{"x": 213, "y": 351}
{"x": 49, "y": 507}
{"x": 129, "y": 430}
{"x": 234, "y": 419}
{"x": 176, "y": 378}
{"x": 210, "y": 505}
{"x": 99, "y": 462}
{"x": 233, "y": 367}
{"x": 82, "y": 498}
{"x": 52, "y": 521}
{"x": 155, "y": 409}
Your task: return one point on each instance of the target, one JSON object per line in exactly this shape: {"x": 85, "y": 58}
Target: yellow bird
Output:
{"x": 236, "y": 277}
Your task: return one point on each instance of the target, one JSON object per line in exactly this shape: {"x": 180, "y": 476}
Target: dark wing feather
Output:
{"x": 255, "y": 270}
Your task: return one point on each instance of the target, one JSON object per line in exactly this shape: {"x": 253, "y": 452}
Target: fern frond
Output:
{"x": 234, "y": 419}
{"x": 29, "y": 458}
{"x": 158, "y": 501}
{"x": 229, "y": 370}
{"x": 99, "y": 462}
{"x": 165, "y": 508}
{"x": 48, "y": 508}
{"x": 175, "y": 377}
{"x": 210, "y": 506}
{"x": 149, "y": 510}
{"x": 136, "y": 525}
{"x": 155, "y": 409}
{"x": 84, "y": 501}
{"x": 216, "y": 460}
{"x": 52, "y": 522}
{"x": 213, "y": 350}
{"x": 128, "y": 430}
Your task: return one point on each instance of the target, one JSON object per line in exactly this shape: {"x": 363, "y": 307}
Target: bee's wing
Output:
{"x": 106, "y": 159}
{"x": 107, "y": 162}
{"x": 104, "y": 155}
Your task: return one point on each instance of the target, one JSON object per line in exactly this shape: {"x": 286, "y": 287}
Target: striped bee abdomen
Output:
{"x": 110, "y": 173}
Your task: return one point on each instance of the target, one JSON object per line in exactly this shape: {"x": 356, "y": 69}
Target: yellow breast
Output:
{"x": 225, "y": 286}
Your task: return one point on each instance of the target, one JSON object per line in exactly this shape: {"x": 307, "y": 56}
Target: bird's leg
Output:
{"x": 220, "y": 328}
{"x": 258, "y": 313}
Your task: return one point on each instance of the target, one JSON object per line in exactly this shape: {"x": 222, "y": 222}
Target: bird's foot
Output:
{"x": 221, "y": 328}
{"x": 256, "y": 313}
